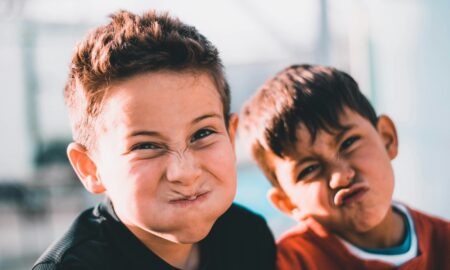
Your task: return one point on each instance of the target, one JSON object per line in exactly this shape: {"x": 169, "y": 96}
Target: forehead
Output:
{"x": 155, "y": 98}
{"x": 348, "y": 120}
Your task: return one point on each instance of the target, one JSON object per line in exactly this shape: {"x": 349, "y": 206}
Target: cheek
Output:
{"x": 137, "y": 190}
{"x": 386, "y": 182}
{"x": 318, "y": 195}
{"x": 375, "y": 164}
{"x": 312, "y": 196}
{"x": 111, "y": 173}
{"x": 220, "y": 161}
{"x": 128, "y": 180}
{"x": 375, "y": 168}
{"x": 145, "y": 168}
{"x": 144, "y": 176}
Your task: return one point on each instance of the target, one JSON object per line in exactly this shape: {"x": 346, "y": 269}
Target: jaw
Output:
{"x": 371, "y": 229}
{"x": 189, "y": 226}
{"x": 187, "y": 233}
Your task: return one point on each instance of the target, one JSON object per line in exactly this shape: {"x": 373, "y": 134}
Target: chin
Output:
{"x": 191, "y": 235}
{"x": 369, "y": 222}
{"x": 363, "y": 227}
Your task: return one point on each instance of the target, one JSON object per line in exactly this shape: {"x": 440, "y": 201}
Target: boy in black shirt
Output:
{"x": 149, "y": 108}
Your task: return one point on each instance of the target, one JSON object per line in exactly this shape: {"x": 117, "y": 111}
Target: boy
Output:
{"x": 149, "y": 107}
{"x": 328, "y": 157}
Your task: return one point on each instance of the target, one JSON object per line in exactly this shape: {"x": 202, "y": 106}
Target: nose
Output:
{"x": 182, "y": 168}
{"x": 341, "y": 175}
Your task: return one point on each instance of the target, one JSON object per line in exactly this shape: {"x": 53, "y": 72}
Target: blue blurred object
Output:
{"x": 251, "y": 192}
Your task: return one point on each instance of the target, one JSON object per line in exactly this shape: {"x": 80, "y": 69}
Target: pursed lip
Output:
{"x": 187, "y": 200}
{"x": 354, "y": 193}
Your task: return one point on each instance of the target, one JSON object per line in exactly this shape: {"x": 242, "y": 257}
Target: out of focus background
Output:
{"x": 398, "y": 51}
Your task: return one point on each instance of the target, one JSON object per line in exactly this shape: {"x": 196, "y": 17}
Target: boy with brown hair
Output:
{"x": 150, "y": 112}
{"x": 328, "y": 156}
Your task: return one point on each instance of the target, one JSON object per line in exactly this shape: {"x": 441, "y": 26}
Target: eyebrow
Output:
{"x": 145, "y": 133}
{"x": 209, "y": 115}
{"x": 303, "y": 160}
{"x": 158, "y": 134}
{"x": 342, "y": 132}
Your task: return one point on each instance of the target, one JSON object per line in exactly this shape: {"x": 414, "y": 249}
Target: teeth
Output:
{"x": 191, "y": 198}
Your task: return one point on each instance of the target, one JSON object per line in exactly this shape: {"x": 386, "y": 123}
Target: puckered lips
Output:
{"x": 351, "y": 194}
{"x": 189, "y": 200}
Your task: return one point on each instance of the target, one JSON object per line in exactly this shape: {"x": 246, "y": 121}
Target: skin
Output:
{"x": 165, "y": 158}
{"x": 344, "y": 180}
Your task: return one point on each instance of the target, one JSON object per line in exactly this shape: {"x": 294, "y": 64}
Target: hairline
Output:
{"x": 97, "y": 118}
{"x": 268, "y": 155}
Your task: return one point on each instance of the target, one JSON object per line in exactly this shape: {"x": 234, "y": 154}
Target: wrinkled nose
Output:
{"x": 183, "y": 168}
{"x": 341, "y": 175}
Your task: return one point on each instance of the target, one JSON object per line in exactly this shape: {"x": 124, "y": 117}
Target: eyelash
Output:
{"x": 201, "y": 134}
{"x": 145, "y": 146}
{"x": 306, "y": 171}
{"x": 349, "y": 142}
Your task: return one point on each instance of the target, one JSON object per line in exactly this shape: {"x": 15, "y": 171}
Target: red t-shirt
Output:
{"x": 310, "y": 246}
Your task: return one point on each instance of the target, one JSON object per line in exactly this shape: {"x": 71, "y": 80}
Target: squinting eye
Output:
{"x": 145, "y": 146}
{"x": 202, "y": 133}
{"x": 347, "y": 143}
{"x": 307, "y": 171}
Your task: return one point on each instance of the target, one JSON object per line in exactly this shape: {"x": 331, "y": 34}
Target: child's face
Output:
{"x": 344, "y": 180}
{"x": 164, "y": 155}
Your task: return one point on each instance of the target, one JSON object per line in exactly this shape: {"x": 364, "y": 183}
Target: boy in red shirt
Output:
{"x": 328, "y": 156}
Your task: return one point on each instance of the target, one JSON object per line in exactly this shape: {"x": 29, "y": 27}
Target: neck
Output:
{"x": 389, "y": 233}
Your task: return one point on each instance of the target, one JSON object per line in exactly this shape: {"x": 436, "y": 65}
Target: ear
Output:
{"x": 232, "y": 127}
{"x": 281, "y": 201}
{"x": 386, "y": 129}
{"x": 85, "y": 168}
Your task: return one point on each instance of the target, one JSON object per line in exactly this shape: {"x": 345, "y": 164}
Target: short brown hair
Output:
{"x": 127, "y": 46}
{"x": 300, "y": 94}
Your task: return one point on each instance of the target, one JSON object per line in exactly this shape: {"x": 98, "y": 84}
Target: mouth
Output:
{"x": 189, "y": 200}
{"x": 347, "y": 196}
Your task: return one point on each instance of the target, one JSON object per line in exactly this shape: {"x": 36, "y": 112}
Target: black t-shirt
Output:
{"x": 97, "y": 240}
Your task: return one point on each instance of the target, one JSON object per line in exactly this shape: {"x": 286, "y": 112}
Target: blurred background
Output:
{"x": 398, "y": 51}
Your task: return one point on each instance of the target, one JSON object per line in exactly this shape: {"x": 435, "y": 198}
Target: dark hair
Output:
{"x": 127, "y": 46}
{"x": 300, "y": 94}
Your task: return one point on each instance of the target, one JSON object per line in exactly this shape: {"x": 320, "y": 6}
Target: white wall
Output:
{"x": 411, "y": 67}
{"x": 14, "y": 143}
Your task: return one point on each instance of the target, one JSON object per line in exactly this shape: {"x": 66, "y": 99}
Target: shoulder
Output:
{"x": 77, "y": 246}
{"x": 306, "y": 244}
{"x": 240, "y": 221}
{"x": 429, "y": 223}
{"x": 308, "y": 230}
{"x": 420, "y": 216}
{"x": 241, "y": 239}
{"x": 298, "y": 239}
{"x": 433, "y": 234}
{"x": 428, "y": 226}
{"x": 238, "y": 213}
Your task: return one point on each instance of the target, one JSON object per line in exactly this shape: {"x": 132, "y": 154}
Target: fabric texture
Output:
{"x": 310, "y": 246}
{"x": 240, "y": 239}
